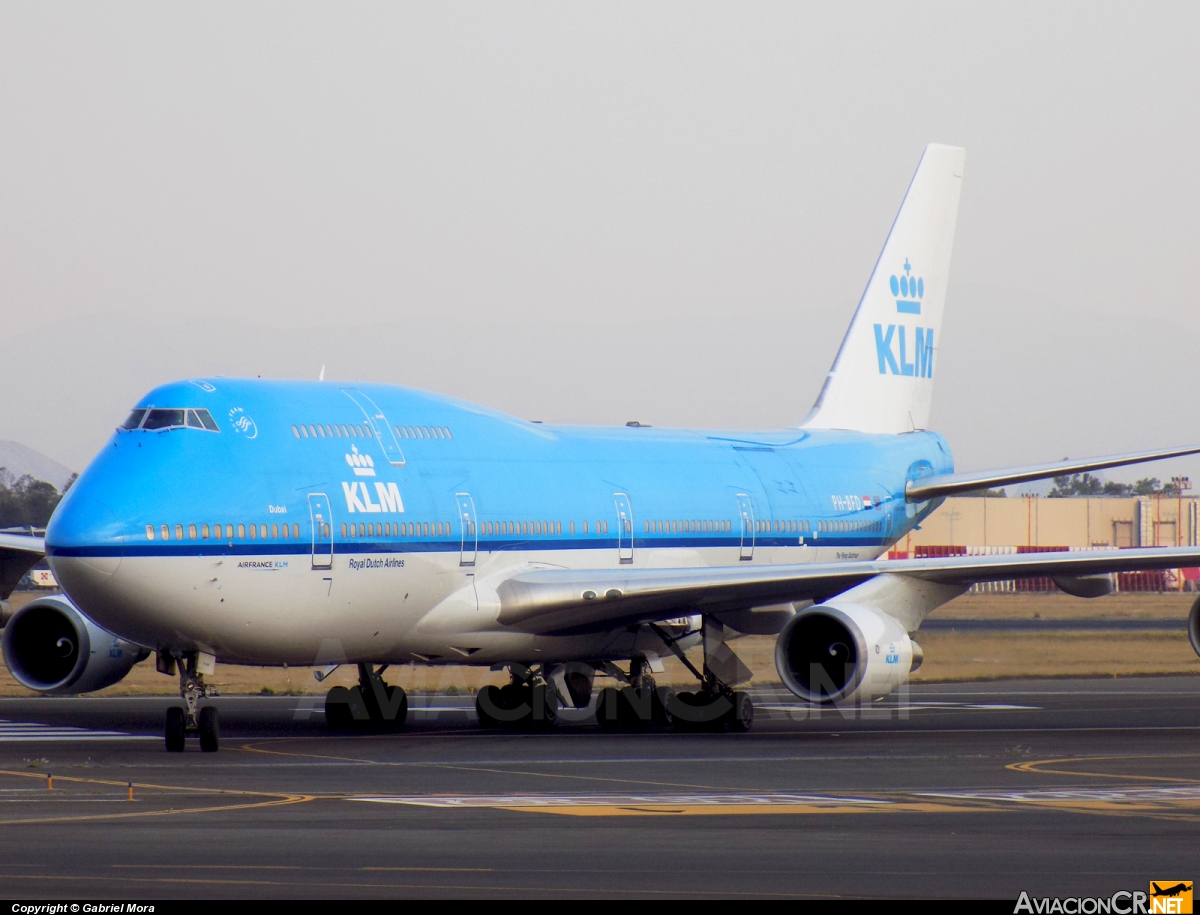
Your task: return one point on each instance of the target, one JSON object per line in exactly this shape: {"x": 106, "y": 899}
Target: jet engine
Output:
{"x": 844, "y": 652}
{"x": 51, "y": 647}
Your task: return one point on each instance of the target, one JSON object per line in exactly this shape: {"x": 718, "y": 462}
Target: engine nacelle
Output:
{"x": 51, "y": 647}
{"x": 1194, "y": 626}
{"x": 844, "y": 652}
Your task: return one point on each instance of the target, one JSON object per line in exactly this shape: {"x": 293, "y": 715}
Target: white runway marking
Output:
{"x": 28, "y": 731}
{"x": 920, "y": 707}
{"x": 1111, "y": 795}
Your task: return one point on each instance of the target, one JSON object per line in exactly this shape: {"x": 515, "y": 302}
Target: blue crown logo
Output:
{"x": 909, "y": 290}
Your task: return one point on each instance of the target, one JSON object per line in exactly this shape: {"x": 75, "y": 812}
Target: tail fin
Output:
{"x": 882, "y": 378}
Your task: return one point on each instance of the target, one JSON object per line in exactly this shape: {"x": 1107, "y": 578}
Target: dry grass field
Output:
{"x": 948, "y": 655}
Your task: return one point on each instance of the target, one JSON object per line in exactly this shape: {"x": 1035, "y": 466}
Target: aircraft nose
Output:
{"x": 83, "y": 539}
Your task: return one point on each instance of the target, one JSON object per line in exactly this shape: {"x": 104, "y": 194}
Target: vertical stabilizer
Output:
{"x": 882, "y": 378}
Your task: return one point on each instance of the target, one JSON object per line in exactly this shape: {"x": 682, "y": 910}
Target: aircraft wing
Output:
{"x": 953, "y": 484}
{"x": 18, "y": 554}
{"x": 553, "y": 600}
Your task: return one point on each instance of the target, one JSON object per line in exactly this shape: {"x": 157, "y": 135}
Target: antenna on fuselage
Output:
{"x": 321, "y": 376}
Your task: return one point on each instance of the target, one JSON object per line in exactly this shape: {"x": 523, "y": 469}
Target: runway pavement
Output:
{"x": 1057, "y": 787}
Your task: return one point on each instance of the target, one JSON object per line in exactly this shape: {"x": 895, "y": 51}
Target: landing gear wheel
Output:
{"x": 544, "y": 706}
{"x": 664, "y": 697}
{"x": 391, "y": 714}
{"x": 702, "y": 711}
{"x": 210, "y": 729}
{"x": 635, "y": 709}
{"x": 337, "y": 708}
{"x": 608, "y": 706}
{"x": 741, "y": 716}
{"x": 487, "y": 699}
{"x": 400, "y": 705}
{"x": 175, "y": 729}
{"x": 682, "y": 711}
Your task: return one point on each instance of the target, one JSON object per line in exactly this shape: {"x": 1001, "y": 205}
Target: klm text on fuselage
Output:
{"x": 892, "y": 349}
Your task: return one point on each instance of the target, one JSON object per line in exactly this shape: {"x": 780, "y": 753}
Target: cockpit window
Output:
{"x": 135, "y": 420}
{"x": 156, "y": 419}
{"x": 163, "y": 419}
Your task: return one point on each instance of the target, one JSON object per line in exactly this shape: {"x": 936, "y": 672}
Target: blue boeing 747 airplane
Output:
{"x": 319, "y": 523}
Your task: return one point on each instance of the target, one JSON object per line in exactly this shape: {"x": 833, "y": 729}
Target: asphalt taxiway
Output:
{"x": 1057, "y": 787}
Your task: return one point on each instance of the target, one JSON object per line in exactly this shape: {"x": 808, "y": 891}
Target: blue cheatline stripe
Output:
{"x": 485, "y": 545}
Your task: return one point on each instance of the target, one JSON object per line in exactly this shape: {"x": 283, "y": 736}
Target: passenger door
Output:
{"x": 624, "y": 527}
{"x": 322, "y": 530}
{"x": 746, "y": 514}
{"x": 470, "y": 530}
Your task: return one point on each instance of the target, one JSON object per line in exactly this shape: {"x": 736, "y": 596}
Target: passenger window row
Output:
{"x": 683, "y": 526}
{"x": 849, "y": 527}
{"x": 224, "y": 532}
{"x": 422, "y": 431}
{"x": 527, "y": 528}
{"x": 332, "y": 430}
{"x": 689, "y": 527}
{"x": 782, "y": 527}
{"x": 396, "y": 530}
{"x": 158, "y": 419}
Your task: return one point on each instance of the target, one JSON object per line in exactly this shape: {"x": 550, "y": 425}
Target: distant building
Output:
{"x": 981, "y": 526}
{"x": 1029, "y": 521}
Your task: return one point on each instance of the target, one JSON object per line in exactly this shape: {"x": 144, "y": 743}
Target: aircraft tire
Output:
{"x": 486, "y": 699}
{"x": 664, "y": 697}
{"x": 210, "y": 729}
{"x": 630, "y": 708}
{"x": 543, "y": 698}
{"x": 378, "y": 716}
{"x": 681, "y": 708}
{"x": 337, "y": 708}
{"x": 608, "y": 706}
{"x": 741, "y": 716}
{"x": 175, "y": 729}
{"x": 402, "y": 711}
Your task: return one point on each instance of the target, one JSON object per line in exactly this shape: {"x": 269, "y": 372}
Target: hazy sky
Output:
{"x": 599, "y": 212}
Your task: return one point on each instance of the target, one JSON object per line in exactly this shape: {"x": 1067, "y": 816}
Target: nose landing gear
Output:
{"x": 192, "y": 720}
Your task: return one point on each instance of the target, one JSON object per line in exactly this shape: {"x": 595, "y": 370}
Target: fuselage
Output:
{"x": 312, "y": 523}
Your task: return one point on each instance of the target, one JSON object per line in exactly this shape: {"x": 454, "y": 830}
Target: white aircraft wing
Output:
{"x": 555, "y": 600}
{"x": 18, "y": 554}
{"x": 953, "y": 484}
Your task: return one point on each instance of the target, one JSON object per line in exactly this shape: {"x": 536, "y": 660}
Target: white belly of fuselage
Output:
{"x": 386, "y": 607}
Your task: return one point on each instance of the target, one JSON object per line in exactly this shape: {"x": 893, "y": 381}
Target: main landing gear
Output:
{"x": 639, "y": 705}
{"x": 525, "y": 702}
{"x": 642, "y": 706}
{"x": 190, "y": 720}
{"x": 371, "y": 704}
{"x": 716, "y": 706}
